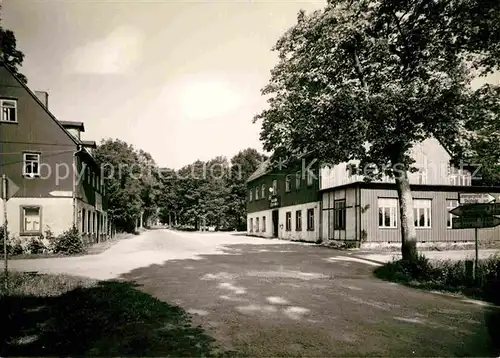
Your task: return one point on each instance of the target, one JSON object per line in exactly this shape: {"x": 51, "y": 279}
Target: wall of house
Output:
{"x": 35, "y": 131}
{"x": 430, "y": 157}
{"x": 56, "y": 215}
{"x": 328, "y": 230}
{"x": 303, "y": 234}
{"x": 438, "y": 232}
{"x": 258, "y": 230}
{"x": 98, "y": 229}
{"x": 306, "y": 193}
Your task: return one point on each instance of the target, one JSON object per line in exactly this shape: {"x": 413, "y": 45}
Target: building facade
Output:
{"x": 348, "y": 208}
{"x": 368, "y": 212}
{"x": 284, "y": 203}
{"x": 58, "y": 180}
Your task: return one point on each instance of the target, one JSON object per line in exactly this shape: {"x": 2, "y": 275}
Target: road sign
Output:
{"x": 12, "y": 188}
{"x": 475, "y": 198}
{"x": 466, "y": 222}
{"x": 477, "y": 210}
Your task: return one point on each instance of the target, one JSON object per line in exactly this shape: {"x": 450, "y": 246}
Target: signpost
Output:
{"x": 8, "y": 189}
{"x": 475, "y": 198}
{"x": 476, "y": 211}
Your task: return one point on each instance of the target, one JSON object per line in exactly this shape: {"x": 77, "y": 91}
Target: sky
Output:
{"x": 178, "y": 79}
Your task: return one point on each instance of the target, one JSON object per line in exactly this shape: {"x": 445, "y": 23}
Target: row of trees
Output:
{"x": 211, "y": 193}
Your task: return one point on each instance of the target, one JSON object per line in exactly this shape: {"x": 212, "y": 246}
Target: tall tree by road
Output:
{"x": 120, "y": 163}
{"x": 243, "y": 165}
{"x": 365, "y": 80}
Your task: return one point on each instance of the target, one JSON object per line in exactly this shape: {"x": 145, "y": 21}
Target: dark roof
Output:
{"x": 35, "y": 97}
{"x": 77, "y": 125}
{"x": 262, "y": 170}
{"x": 89, "y": 143}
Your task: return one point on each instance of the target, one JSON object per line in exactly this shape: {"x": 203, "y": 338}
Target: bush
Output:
{"x": 16, "y": 248}
{"x": 447, "y": 276}
{"x": 70, "y": 242}
{"x": 51, "y": 239}
{"x": 36, "y": 246}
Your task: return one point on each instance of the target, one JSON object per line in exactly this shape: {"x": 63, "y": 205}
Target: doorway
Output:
{"x": 275, "y": 217}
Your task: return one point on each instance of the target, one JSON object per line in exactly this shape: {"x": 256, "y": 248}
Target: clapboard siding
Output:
{"x": 438, "y": 231}
{"x": 430, "y": 158}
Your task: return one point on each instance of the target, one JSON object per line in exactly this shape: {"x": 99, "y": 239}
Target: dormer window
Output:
{"x": 31, "y": 164}
{"x": 8, "y": 110}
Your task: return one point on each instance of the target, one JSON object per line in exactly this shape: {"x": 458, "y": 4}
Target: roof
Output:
{"x": 89, "y": 143}
{"x": 40, "y": 103}
{"x": 262, "y": 170}
{"x": 77, "y": 125}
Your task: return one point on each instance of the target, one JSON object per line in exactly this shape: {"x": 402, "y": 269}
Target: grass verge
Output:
{"x": 453, "y": 277}
{"x": 57, "y": 315}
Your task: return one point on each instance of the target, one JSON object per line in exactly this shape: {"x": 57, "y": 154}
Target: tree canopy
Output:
{"x": 9, "y": 54}
{"x": 366, "y": 80}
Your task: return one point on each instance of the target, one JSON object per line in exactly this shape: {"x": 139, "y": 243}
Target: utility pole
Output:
{"x": 5, "y": 233}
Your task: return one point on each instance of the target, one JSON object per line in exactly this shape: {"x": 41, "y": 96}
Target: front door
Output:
{"x": 275, "y": 218}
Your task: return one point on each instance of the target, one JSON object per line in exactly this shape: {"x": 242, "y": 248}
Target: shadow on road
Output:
{"x": 110, "y": 319}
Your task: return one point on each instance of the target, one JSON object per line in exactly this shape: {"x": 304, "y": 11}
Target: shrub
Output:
{"x": 2, "y": 236}
{"x": 51, "y": 239}
{"x": 36, "y": 246}
{"x": 15, "y": 247}
{"x": 70, "y": 242}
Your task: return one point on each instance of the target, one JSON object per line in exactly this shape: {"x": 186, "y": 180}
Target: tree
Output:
{"x": 243, "y": 164}
{"x": 119, "y": 162}
{"x": 365, "y": 80}
{"x": 10, "y": 55}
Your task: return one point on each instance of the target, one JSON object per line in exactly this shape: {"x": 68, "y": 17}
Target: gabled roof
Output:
{"x": 76, "y": 125}
{"x": 35, "y": 97}
{"x": 262, "y": 170}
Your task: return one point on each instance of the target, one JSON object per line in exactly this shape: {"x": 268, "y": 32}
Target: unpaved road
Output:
{"x": 151, "y": 247}
{"x": 273, "y": 298}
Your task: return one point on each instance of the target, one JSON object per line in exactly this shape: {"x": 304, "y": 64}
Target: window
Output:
{"x": 31, "y": 220}
{"x": 422, "y": 213}
{"x": 31, "y": 165}
{"x": 9, "y": 110}
{"x": 288, "y": 183}
{"x": 251, "y": 195}
{"x": 89, "y": 222}
{"x": 298, "y": 220}
{"x": 298, "y": 180}
{"x": 450, "y": 204}
{"x": 387, "y": 212}
{"x": 83, "y": 220}
{"x": 94, "y": 223}
{"x": 310, "y": 219}
{"x": 288, "y": 221}
{"x": 251, "y": 224}
{"x": 257, "y": 193}
{"x": 340, "y": 214}
{"x": 263, "y": 191}
{"x": 275, "y": 187}
{"x": 263, "y": 224}
{"x": 257, "y": 227}
{"x": 309, "y": 178}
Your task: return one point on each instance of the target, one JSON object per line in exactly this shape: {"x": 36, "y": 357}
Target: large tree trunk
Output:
{"x": 408, "y": 233}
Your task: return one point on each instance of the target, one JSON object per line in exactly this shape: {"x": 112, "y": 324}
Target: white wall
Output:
{"x": 429, "y": 155}
{"x": 303, "y": 234}
{"x": 269, "y": 223}
{"x": 57, "y": 214}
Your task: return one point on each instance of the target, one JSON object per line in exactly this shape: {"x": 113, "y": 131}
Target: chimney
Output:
{"x": 43, "y": 97}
